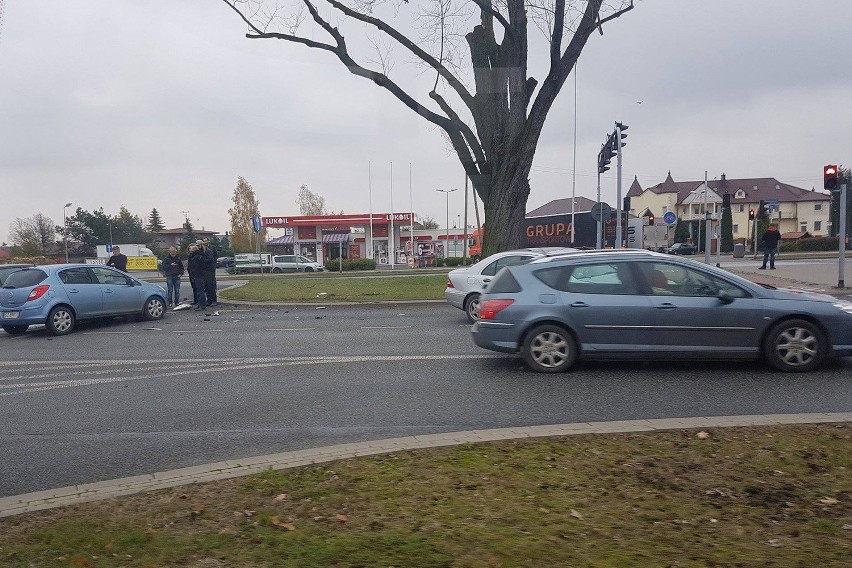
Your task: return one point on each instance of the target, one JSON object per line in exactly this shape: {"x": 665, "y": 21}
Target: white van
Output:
{"x": 295, "y": 263}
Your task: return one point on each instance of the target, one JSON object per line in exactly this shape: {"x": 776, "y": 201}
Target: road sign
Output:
{"x": 256, "y": 224}
{"x": 601, "y": 211}
{"x": 773, "y": 204}
{"x": 669, "y": 218}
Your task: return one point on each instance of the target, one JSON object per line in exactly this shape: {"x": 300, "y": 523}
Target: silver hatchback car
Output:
{"x": 651, "y": 306}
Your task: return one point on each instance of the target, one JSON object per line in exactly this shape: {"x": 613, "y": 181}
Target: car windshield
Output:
{"x": 25, "y": 278}
{"x": 303, "y": 259}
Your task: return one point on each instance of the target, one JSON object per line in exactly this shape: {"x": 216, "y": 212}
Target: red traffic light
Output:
{"x": 829, "y": 177}
{"x": 650, "y": 219}
{"x": 751, "y": 214}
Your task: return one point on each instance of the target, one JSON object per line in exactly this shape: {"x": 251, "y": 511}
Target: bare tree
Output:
{"x": 311, "y": 203}
{"x": 35, "y": 235}
{"x": 494, "y": 128}
{"x": 245, "y": 207}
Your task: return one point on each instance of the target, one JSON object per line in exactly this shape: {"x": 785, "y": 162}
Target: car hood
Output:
{"x": 796, "y": 294}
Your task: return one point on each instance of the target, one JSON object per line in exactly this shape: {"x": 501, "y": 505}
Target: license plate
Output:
{"x": 11, "y": 315}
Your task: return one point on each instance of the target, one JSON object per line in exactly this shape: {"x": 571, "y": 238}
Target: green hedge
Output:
{"x": 817, "y": 243}
{"x": 456, "y": 261}
{"x": 352, "y": 264}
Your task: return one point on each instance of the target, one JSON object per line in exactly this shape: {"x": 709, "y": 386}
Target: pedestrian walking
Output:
{"x": 770, "y": 238}
{"x": 117, "y": 260}
{"x": 173, "y": 270}
{"x": 197, "y": 263}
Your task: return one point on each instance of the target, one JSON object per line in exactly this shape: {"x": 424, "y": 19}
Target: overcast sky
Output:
{"x": 157, "y": 103}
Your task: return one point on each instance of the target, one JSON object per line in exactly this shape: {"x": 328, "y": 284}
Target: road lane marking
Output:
{"x": 104, "y": 332}
{"x": 24, "y": 388}
{"x": 386, "y": 327}
{"x": 195, "y": 330}
{"x": 291, "y": 329}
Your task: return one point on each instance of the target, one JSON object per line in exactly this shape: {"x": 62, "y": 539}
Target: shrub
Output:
{"x": 353, "y": 264}
{"x": 817, "y": 244}
{"x": 440, "y": 261}
{"x": 457, "y": 261}
{"x": 788, "y": 247}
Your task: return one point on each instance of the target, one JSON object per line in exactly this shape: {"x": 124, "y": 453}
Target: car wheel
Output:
{"x": 276, "y": 271}
{"x": 549, "y": 349}
{"x": 15, "y": 329}
{"x": 60, "y": 321}
{"x": 154, "y": 308}
{"x": 471, "y": 307}
{"x": 308, "y": 269}
{"x": 795, "y": 346}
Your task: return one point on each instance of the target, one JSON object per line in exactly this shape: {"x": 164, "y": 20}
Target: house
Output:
{"x": 172, "y": 237}
{"x": 791, "y": 207}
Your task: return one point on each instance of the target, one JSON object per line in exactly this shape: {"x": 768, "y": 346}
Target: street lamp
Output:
{"x": 65, "y": 226}
{"x": 448, "y": 192}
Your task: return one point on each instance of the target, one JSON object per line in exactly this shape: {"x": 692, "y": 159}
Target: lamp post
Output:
{"x": 448, "y": 192}
{"x": 65, "y": 226}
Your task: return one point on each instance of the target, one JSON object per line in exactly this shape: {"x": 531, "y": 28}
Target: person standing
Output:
{"x": 117, "y": 260}
{"x": 173, "y": 270}
{"x": 197, "y": 263}
{"x": 210, "y": 276}
{"x": 770, "y": 238}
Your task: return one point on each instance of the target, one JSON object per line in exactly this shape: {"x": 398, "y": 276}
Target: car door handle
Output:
{"x": 486, "y": 280}
{"x": 666, "y": 306}
{"x": 107, "y": 291}
{"x": 579, "y": 305}
{"x": 73, "y": 291}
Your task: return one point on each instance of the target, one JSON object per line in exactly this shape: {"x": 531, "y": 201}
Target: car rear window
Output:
{"x": 504, "y": 283}
{"x": 25, "y": 278}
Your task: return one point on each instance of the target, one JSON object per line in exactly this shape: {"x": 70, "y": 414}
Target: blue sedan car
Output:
{"x": 651, "y": 306}
{"x": 60, "y": 295}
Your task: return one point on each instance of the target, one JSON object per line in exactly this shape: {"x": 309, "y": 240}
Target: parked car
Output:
{"x": 60, "y": 295}
{"x": 225, "y": 262}
{"x": 7, "y": 269}
{"x": 682, "y": 248}
{"x": 295, "y": 263}
{"x": 465, "y": 285}
{"x": 650, "y": 306}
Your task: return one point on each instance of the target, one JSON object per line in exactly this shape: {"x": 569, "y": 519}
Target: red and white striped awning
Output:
{"x": 285, "y": 240}
{"x": 335, "y": 238}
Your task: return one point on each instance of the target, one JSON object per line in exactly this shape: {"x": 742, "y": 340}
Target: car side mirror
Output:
{"x": 724, "y": 298}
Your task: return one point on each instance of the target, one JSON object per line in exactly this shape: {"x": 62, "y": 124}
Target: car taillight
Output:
{"x": 490, "y": 308}
{"x": 38, "y": 292}
{"x": 449, "y": 283}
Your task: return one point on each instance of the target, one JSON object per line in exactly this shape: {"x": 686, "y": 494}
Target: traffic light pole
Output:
{"x": 841, "y": 238}
{"x": 599, "y": 241}
{"x": 618, "y": 234}
{"x": 707, "y": 222}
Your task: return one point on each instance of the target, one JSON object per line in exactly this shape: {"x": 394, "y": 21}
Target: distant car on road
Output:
{"x": 682, "y": 248}
{"x": 465, "y": 285}
{"x": 650, "y": 306}
{"x": 225, "y": 262}
{"x": 295, "y": 263}
{"x": 60, "y": 295}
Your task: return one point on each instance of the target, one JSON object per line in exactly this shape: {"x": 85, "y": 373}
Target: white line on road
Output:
{"x": 195, "y": 330}
{"x": 386, "y": 327}
{"x": 291, "y": 329}
{"x": 105, "y": 332}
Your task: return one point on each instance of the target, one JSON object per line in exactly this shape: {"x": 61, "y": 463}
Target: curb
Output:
{"x": 74, "y": 494}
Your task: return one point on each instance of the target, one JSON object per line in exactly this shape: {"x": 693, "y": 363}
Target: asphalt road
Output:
{"x": 122, "y": 398}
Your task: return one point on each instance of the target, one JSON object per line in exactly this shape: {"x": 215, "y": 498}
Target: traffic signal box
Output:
{"x": 650, "y": 219}
{"x": 751, "y": 214}
{"x": 762, "y": 212}
{"x": 829, "y": 177}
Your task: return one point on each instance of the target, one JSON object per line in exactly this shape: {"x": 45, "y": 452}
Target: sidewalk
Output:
{"x": 64, "y": 496}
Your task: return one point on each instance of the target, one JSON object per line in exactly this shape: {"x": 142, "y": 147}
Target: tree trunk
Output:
{"x": 505, "y": 210}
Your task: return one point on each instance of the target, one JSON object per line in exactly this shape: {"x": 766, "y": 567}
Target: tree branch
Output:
{"x": 294, "y": 39}
{"x": 470, "y": 137}
{"x": 488, "y": 8}
{"x": 558, "y": 31}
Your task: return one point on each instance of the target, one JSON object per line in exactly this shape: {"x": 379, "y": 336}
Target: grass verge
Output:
{"x": 763, "y": 496}
{"x": 346, "y": 289}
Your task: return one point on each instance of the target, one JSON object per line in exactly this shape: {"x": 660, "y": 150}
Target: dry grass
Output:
{"x": 779, "y": 496}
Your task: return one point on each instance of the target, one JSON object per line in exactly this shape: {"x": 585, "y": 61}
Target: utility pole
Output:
{"x": 619, "y": 139}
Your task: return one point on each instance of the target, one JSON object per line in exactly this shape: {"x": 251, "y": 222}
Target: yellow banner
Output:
{"x": 141, "y": 263}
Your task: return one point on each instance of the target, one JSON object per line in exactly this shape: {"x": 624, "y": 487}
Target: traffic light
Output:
{"x": 829, "y": 177}
{"x": 651, "y": 219}
{"x": 626, "y": 206}
{"x": 751, "y": 214}
{"x": 726, "y": 201}
{"x": 608, "y": 150}
{"x": 620, "y": 128}
{"x": 762, "y": 213}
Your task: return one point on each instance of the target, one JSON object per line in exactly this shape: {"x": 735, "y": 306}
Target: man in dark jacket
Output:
{"x": 173, "y": 270}
{"x": 770, "y": 246}
{"x": 118, "y": 260}
{"x": 210, "y": 275}
{"x": 197, "y": 264}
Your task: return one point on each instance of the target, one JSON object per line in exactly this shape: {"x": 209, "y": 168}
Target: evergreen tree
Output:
{"x": 155, "y": 222}
{"x": 681, "y": 234}
{"x": 727, "y": 230}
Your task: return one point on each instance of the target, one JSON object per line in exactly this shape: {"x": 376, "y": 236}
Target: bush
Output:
{"x": 788, "y": 247}
{"x": 817, "y": 244}
{"x": 457, "y": 261}
{"x": 352, "y": 264}
{"x": 440, "y": 261}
